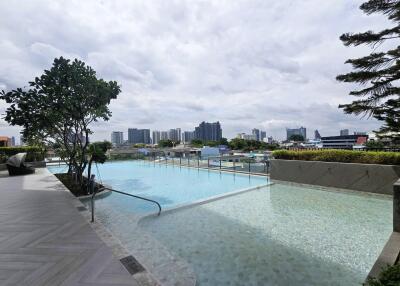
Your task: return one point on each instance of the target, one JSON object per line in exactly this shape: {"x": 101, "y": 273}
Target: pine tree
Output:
{"x": 377, "y": 73}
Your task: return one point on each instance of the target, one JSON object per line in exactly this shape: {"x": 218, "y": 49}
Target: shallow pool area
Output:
{"x": 279, "y": 235}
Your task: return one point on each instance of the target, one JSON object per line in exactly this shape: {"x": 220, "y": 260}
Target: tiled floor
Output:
{"x": 44, "y": 240}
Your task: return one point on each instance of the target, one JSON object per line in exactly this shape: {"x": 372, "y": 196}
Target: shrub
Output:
{"x": 33, "y": 153}
{"x": 390, "y": 276}
{"x": 344, "y": 156}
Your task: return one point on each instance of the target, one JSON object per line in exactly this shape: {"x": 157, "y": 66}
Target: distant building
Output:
{"x": 207, "y": 151}
{"x": 360, "y": 133}
{"x": 12, "y": 141}
{"x": 343, "y": 142}
{"x": 187, "y": 136}
{"x": 246, "y": 136}
{"x": 256, "y": 133}
{"x": 138, "y": 136}
{"x": 296, "y": 131}
{"x": 156, "y": 137}
{"x": 270, "y": 140}
{"x": 164, "y": 135}
{"x": 174, "y": 134}
{"x": 5, "y": 141}
{"x": 208, "y": 131}
{"x": 344, "y": 132}
{"x": 317, "y": 136}
{"x": 263, "y": 135}
{"x": 117, "y": 138}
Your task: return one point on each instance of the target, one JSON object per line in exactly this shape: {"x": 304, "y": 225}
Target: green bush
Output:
{"x": 388, "y": 277}
{"x": 33, "y": 153}
{"x": 344, "y": 156}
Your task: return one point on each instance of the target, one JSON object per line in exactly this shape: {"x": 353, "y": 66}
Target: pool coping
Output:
{"x": 205, "y": 201}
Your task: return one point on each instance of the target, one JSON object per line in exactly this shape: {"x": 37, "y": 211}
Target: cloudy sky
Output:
{"x": 253, "y": 63}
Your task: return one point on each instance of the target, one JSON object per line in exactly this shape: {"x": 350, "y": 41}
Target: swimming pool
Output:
{"x": 280, "y": 234}
{"x": 171, "y": 186}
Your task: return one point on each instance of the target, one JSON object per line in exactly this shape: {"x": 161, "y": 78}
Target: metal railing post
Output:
{"x": 220, "y": 166}
{"x": 396, "y": 206}
{"x": 91, "y": 182}
{"x": 198, "y": 158}
{"x": 208, "y": 163}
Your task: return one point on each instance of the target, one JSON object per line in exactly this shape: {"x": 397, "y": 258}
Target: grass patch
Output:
{"x": 74, "y": 187}
{"x": 388, "y": 277}
{"x": 343, "y": 156}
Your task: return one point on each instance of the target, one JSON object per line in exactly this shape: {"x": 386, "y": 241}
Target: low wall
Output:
{"x": 360, "y": 177}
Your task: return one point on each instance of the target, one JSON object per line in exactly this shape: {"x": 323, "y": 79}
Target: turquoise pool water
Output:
{"x": 279, "y": 235}
{"x": 169, "y": 185}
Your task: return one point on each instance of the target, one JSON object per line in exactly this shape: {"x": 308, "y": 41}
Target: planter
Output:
{"x": 359, "y": 177}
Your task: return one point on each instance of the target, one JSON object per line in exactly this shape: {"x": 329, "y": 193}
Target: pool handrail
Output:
{"x": 123, "y": 193}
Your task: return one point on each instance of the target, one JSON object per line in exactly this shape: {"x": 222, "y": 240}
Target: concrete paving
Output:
{"x": 44, "y": 240}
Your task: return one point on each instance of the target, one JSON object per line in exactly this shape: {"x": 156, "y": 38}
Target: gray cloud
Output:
{"x": 254, "y": 63}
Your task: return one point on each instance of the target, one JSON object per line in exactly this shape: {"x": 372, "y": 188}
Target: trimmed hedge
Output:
{"x": 33, "y": 153}
{"x": 343, "y": 156}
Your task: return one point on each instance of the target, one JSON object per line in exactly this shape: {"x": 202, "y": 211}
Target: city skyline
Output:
{"x": 264, "y": 82}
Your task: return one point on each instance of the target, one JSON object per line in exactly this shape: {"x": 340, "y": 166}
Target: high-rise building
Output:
{"x": 146, "y": 135}
{"x": 344, "y": 132}
{"x": 174, "y": 134}
{"x": 256, "y": 133}
{"x": 117, "y": 138}
{"x": 156, "y": 136}
{"x": 138, "y": 136}
{"x": 263, "y": 135}
{"x": 360, "y": 133}
{"x": 208, "y": 131}
{"x": 317, "y": 136}
{"x": 12, "y": 141}
{"x": 296, "y": 131}
{"x": 270, "y": 140}
{"x": 187, "y": 136}
{"x": 164, "y": 135}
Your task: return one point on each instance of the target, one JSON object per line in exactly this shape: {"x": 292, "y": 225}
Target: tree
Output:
{"x": 165, "y": 143}
{"x": 237, "y": 144}
{"x": 59, "y": 108}
{"x": 223, "y": 141}
{"x": 197, "y": 143}
{"x": 97, "y": 153}
{"x": 377, "y": 73}
{"x": 296, "y": 138}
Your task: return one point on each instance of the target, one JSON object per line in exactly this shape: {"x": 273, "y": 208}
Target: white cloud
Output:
{"x": 255, "y": 63}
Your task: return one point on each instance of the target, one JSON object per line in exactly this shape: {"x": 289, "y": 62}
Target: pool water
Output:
{"x": 279, "y": 235}
{"x": 171, "y": 186}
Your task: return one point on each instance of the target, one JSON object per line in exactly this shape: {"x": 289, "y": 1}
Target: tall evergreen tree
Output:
{"x": 377, "y": 73}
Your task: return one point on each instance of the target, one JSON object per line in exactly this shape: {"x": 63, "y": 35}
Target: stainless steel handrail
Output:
{"x": 123, "y": 193}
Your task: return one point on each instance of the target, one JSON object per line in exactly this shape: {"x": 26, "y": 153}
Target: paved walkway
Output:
{"x": 44, "y": 240}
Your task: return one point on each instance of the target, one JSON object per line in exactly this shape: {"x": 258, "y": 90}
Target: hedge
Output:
{"x": 33, "y": 153}
{"x": 343, "y": 156}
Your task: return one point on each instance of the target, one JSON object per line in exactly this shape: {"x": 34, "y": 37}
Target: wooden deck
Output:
{"x": 44, "y": 240}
